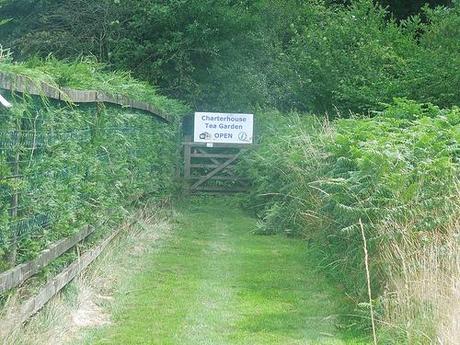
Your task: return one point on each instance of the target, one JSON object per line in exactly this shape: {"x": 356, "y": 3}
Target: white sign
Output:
{"x": 223, "y": 128}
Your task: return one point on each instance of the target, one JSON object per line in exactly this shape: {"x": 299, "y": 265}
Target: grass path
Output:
{"x": 215, "y": 283}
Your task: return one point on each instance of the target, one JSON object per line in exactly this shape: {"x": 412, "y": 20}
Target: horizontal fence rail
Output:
{"x": 34, "y": 304}
{"x": 17, "y": 275}
{"x": 23, "y": 84}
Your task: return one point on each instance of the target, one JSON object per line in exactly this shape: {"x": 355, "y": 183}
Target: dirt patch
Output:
{"x": 89, "y": 314}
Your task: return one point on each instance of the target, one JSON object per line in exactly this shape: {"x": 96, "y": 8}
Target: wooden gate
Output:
{"x": 212, "y": 169}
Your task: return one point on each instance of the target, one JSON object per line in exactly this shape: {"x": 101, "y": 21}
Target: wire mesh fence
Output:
{"x": 61, "y": 167}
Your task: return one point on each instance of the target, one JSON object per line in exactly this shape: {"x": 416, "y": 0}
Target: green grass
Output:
{"x": 214, "y": 282}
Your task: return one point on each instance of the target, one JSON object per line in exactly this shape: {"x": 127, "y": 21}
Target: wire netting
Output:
{"x": 64, "y": 166}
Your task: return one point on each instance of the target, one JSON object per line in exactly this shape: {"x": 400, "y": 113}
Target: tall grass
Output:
{"x": 87, "y": 74}
{"x": 421, "y": 302}
{"x": 397, "y": 172}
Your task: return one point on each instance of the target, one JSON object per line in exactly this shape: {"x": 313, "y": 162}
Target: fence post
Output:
{"x": 187, "y": 156}
{"x": 14, "y": 202}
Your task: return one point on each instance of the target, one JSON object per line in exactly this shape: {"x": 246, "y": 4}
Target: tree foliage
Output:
{"x": 237, "y": 55}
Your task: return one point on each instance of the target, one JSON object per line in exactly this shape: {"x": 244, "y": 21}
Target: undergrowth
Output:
{"x": 397, "y": 174}
{"x": 63, "y": 166}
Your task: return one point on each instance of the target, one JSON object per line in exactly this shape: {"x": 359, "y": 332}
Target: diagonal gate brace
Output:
{"x": 214, "y": 160}
{"x": 216, "y": 170}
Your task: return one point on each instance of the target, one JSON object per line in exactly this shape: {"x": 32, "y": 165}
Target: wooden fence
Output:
{"x": 17, "y": 275}
{"x": 212, "y": 169}
{"x": 52, "y": 287}
{"x": 23, "y": 84}
{"x": 21, "y": 273}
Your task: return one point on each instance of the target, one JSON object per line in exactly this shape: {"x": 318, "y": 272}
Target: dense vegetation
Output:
{"x": 235, "y": 55}
{"x": 65, "y": 165}
{"x": 397, "y": 175}
{"x": 381, "y": 152}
